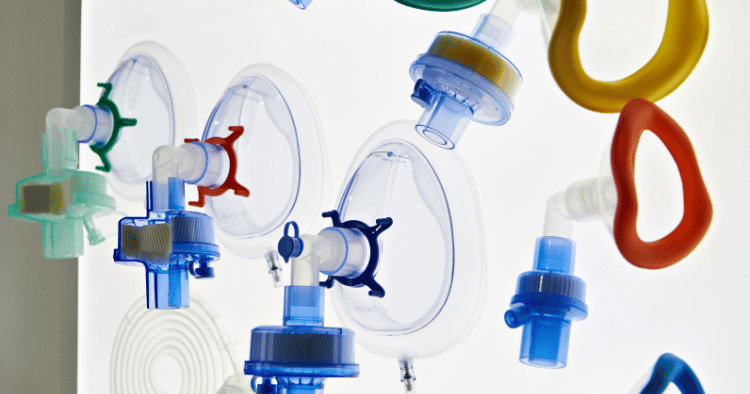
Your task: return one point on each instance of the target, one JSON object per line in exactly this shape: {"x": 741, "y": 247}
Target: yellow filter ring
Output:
{"x": 684, "y": 40}
{"x": 478, "y": 58}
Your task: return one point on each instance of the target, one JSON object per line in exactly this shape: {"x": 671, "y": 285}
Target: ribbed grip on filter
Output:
{"x": 193, "y": 228}
{"x": 546, "y": 282}
{"x": 548, "y": 299}
{"x": 302, "y": 348}
{"x": 301, "y": 351}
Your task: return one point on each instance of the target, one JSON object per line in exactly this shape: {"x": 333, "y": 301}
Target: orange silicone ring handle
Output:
{"x": 230, "y": 183}
{"x": 682, "y": 45}
{"x": 636, "y": 117}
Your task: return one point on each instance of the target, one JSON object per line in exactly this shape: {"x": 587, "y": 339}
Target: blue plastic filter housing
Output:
{"x": 547, "y": 300}
{"x": 169, "y": 243}
{"x": 302, "y": 353}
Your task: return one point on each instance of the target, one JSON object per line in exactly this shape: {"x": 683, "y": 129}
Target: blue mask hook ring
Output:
{"x": 367, "y": 278}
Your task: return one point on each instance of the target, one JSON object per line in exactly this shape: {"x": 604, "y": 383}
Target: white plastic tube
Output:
{"x": 508, "y": 10}
{"x": 557, "y": 221}
{"x": 195, "y": 163}
{"x": 583, "y": 201}
{"x": 548, "y": 11}
{"x": 496, "y": 28}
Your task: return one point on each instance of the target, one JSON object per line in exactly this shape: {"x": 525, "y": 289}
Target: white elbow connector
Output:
{"x": 196, "y": 162}
{"x": 583, "y": 201}
{"x": 335, "y": 251}
{"x": 65, "y": 128}
{"x": 557, "y": 221}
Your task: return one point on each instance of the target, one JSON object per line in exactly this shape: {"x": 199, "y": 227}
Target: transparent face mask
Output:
{"x": 151, "y": 85}
{"x": 397, "y": 181}
{"x": 281, "y": 159}
{"x": 268, "y": 161}
{"x": 431, "y": 262}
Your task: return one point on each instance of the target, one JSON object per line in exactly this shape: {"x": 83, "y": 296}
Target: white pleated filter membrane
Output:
{"x": 181, "y": 351}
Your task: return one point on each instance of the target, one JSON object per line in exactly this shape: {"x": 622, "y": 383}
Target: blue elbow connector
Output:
{"x": 547, "y": 300}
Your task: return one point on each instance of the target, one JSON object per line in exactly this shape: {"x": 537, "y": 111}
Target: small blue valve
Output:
{"x": 547, "y": 300}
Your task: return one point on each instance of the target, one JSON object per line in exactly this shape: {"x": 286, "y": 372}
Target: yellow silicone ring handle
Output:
{"x": 685, "y": 37}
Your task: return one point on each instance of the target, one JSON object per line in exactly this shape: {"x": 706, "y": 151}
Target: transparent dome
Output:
{"x": 395, "y": 180}
{"x": 151, "y": 85}
{"x": 432, "y": 257}
{"x": 282, "y": 140}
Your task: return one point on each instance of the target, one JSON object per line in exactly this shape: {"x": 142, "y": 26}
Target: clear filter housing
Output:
{"x": 432, "y": 257}
{"x": 282, "y": 141}
{"x": 151, "y": 85}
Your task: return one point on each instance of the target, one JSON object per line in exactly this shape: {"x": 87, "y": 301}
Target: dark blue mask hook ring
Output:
{"x": 367, "y": 277}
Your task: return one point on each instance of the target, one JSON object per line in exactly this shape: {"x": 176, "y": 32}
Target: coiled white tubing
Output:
{"x": 194, "y": 338}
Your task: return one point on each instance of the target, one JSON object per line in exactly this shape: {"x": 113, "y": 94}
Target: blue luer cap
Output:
{"x": 290, "y": 245}
{"x": 547, "y": 300}
{"x": 554, "y": 254}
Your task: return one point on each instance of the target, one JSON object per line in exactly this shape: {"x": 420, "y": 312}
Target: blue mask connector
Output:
{"x": 547, "y": 300}
{"x": 169, "y": 243}
{"x": 301, "y": 354}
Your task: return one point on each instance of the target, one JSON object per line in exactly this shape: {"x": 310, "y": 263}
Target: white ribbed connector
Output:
{"x": 334, "y": 251}
{"x": 495, "y": 31}
{"x": 196, "y": 163}
{"x": 548, "y": 11}
{"x": 584, "y": 201}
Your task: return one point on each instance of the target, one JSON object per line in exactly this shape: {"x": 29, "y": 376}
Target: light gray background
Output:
{"x": 39, "y": 70}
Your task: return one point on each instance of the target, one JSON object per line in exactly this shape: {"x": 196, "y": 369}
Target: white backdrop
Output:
{"x": 353, "y": 59}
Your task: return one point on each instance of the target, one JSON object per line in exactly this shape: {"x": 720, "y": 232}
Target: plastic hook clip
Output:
{"x": 117, "y": 124}
{"x": 227, "y": 143}
{"x": 367, "y": 277}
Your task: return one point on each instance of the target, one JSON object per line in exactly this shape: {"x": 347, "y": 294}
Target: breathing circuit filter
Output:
{"x": 171, "y": 241}
{"x": 547, "y": 300}
{"x": 462, "y": 78}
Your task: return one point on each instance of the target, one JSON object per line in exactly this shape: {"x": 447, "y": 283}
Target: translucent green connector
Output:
{"x": 63, "y": 199}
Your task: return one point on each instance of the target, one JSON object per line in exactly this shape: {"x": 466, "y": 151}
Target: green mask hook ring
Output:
{"x": 117, "y": 124}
